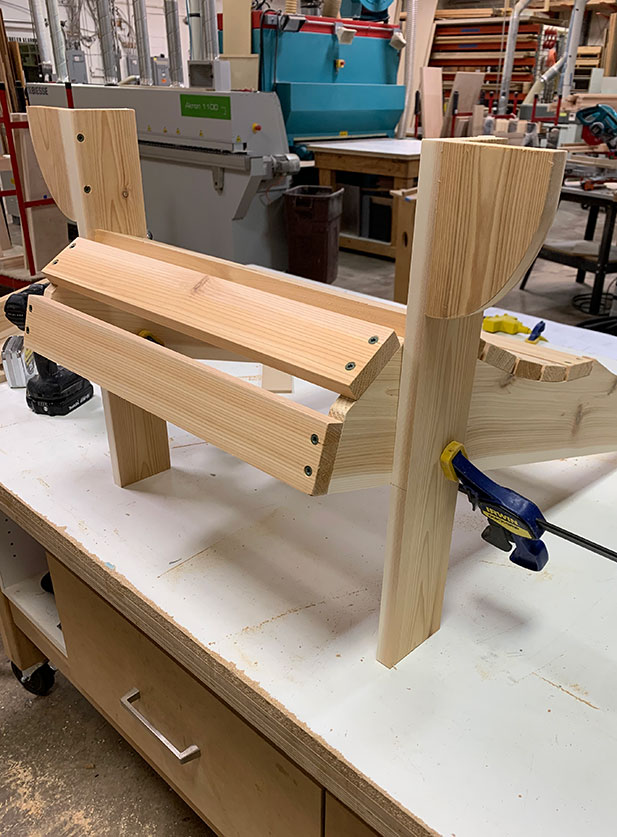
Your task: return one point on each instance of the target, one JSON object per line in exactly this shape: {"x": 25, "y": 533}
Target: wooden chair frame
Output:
{"x": 408, "y": 382}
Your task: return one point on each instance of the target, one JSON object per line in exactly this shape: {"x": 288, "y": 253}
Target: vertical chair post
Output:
{"x": 90, "y": 162}
{"x": 482, "y": 214}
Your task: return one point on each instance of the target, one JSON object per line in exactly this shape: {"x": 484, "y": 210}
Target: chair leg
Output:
{"x": 526, "y": 276}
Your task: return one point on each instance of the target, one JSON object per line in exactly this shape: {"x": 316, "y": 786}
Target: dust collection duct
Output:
{"x": 209, "y": 29}
{"x": 108, "y": 43}
{"x": 193, "y": 8}
{"x": 174, "y": 46}
{"x": 57, "y": 41}
{"x": 38, "y": 13}
{"x": 143, "y": 42}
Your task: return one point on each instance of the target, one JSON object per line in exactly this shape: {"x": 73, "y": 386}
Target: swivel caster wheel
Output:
{"x": 38, "y": 682}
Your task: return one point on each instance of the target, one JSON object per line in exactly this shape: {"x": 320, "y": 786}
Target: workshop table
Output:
{"x": 265, "y": 604}
{"x": 397, "y": 161}
{"x": 599, "y": 258}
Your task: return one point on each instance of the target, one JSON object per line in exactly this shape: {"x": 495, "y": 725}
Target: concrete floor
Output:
{"x": 64, "y": 772}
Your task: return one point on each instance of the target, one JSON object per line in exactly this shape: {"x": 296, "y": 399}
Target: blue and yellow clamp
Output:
{"x": 513, "y": 520}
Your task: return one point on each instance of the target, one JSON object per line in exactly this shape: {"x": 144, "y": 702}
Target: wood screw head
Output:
{"x": 125, "y": 193}
{"x": 308, "y": 470}
{"x": 80, "y": 138}
{"x": 314, "y": 439}
{"x": 374, "y": 339}
{"x": 349, "y": 366}
{"x": 87, "y": 189}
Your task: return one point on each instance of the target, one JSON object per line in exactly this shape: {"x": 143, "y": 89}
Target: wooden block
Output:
{"x": 361, "y": 307}
{"x": 431, "y": 90}
{"x": 366, "y": 449}
{"x": 464, "y": 187}
{"x": 276, "y": 381}
{"x": 405, "y": 207}
{"x": 139, "y": 445}
{"x": 259, "y": 427}
{"x": 12, "y": 259}
{"x": 468, "y": 87}
{"x": 477, "y": 120}
{"x": 314, "y": 344}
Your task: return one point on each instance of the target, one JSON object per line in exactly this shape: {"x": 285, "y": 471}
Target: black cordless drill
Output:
{"x": 54, "y": 391}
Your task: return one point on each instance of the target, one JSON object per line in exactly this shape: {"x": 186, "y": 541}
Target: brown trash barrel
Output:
{"x": 313, "y": 228}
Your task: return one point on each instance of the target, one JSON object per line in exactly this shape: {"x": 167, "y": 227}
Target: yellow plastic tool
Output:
{"x": 508, "y": 324}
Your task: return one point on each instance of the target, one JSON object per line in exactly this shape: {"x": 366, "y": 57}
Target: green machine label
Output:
{"x": 206, "y": 107}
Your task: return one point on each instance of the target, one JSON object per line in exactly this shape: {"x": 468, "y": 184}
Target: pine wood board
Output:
{"x": 464, "y": 187}
{"x": 338, "y": 300}
{"x": 97, "y": 181}
{"x": 431, "y": 91}
{"x": 366, "y": 449}
{"x": 540, "y": 421}
{"x": 138, "y": 441}
{"x": 261, "y": 428}
{"x": 296, "y": 338}
{"x": 468, "y": 86}
{"x": 537, "y": 362}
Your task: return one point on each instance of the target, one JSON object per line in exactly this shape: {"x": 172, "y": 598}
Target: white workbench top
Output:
{"x": 503, "y": 723}
{"x": 408, "y": 148}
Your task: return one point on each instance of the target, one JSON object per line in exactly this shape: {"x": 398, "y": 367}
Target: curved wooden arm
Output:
{"x": 485, "y": 219}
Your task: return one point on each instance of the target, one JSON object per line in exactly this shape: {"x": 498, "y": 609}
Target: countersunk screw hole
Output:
{"x": 80, "y": 138}
{"x": 27, "y": 329}
{"x": 29, "y": 308}
{"x": 87, "y": 189}
{"x": 308, "y": 470}
{"x": 55, "y": 261}
{"x": 314, "y": 439}
{"x": 71, "y": 246}
{"x": 373, "y": 339}
{"x": 349, "y": 366}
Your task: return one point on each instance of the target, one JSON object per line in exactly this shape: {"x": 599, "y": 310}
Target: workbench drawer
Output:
{"x": 233, "y": 777}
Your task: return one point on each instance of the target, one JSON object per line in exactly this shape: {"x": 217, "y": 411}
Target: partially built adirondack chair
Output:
{"x": 408, "y": 383}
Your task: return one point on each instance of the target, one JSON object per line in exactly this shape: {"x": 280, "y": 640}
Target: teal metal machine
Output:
{"x": 334, "y": 77}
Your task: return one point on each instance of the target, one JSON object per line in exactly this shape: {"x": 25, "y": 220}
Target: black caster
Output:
{"x": 46, "y": 583}
{"x": 39, "y": 682}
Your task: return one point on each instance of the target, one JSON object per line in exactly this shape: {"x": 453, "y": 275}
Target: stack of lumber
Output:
{"x": 10, "y": 67}
{"x": 476, "y": 45}
{"x": 587, "y": 59}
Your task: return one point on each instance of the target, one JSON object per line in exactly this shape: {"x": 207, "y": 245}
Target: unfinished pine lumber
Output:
{"x": 328, "y": 349}
{"x": 90, "y": 162}
{"x": 469, "y": 194}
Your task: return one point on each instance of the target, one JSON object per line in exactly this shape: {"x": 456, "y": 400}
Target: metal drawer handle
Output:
{"x": 183, "y": 757}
